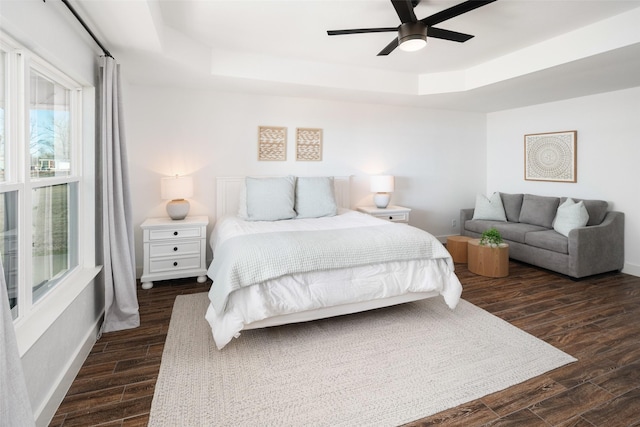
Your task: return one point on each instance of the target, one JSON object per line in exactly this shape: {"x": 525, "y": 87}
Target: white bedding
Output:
{"x": 300, "y": 292}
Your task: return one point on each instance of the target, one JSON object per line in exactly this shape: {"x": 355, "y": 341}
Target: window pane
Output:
{"x": 9, "y": 245}
{"x": 49, "y": 127}
{"x": 3, "y": 106}
{"x": 54, "y": 226}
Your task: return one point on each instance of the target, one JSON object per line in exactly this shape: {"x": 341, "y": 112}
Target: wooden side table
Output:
{"x": 488, "y": 261}
{"x": 457, "y": 247}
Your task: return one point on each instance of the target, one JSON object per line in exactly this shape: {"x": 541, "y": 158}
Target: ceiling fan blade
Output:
{"x": 389, "y": 48}
{"x": 454, "y": 11}
{"x": 362, "y": 30}
{"x": 404, "y": 9}
{"x": 454, "y": 36}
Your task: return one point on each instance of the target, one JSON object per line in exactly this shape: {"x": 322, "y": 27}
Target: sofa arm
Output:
{"x": 465, "y": 215}
{"x": 597, "y": 248}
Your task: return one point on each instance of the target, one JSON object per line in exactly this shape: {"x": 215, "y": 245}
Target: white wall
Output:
{"x": 436, "y": 156}
{"x": 608, "y": 154}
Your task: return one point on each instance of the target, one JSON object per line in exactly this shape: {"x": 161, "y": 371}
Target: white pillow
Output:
{"x": 570, "y": 215}
{"x": 315, "y": 197}
{"x": 270, "y": 199}
{"x": 491, "y": 209}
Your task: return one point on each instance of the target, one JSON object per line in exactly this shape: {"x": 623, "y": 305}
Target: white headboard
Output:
{"x": 228, "y": 193}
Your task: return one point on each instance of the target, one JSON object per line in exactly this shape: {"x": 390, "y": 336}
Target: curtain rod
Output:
{"x": 86, "y": 27}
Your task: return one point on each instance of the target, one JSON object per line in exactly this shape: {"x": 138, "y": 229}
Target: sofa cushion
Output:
{"x": 548, "y": 239}
{"x": 570, "y": 215}
{"x": 539, "y": 210}
{"x": 512, "y": 204}
{"x": 517, "y": 232}
{"x": 597, "y": 209}
{"x": 489, "y": 208}
{"x": 512, "y": 231}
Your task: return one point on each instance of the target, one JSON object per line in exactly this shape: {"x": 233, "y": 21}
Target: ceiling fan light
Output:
{"x": 411, "y": 45}
{"x": 412, "y": 36}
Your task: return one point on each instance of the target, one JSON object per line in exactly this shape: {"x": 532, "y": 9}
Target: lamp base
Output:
{"x": 178, "y": 209}
{"x": 381, "y": 200}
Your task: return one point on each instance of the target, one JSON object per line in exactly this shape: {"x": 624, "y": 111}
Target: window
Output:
{"x": 9, "y": 245}
{"x": 3, "y": 102}
{"x": 49, "y": 127}
{"x": 41, "y": 182}
{"x": 54, "y": 207}
{"x": 54, "y": 239}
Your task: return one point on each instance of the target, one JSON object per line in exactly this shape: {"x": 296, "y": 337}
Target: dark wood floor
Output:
{"x": 597, "y": 320}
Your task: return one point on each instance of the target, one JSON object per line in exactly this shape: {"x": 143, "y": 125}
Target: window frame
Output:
{"x": 47, "y": 71}
{"x": 31, "y": 319}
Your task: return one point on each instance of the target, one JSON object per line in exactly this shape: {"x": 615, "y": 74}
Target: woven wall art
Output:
{"x": 308, "y": 144}
{"x": 272, "y": 143}
{"x": 550, "y": 156}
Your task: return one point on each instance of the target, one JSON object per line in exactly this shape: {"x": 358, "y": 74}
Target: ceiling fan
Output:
{"x": 412, "y": 32}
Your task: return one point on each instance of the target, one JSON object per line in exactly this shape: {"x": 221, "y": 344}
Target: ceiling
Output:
{"x": 524, "y": 51}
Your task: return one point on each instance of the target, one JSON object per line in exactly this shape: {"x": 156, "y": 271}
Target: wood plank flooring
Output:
{"x": 597, "y": 320}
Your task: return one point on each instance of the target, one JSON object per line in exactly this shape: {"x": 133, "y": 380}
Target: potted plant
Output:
{"x": 491, "y": 237}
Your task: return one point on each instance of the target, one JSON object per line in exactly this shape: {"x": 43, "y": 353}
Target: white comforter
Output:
{"x": 310, "y": 290}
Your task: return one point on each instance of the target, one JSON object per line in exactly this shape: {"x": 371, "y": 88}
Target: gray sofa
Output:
{"x": 595, "y": 248}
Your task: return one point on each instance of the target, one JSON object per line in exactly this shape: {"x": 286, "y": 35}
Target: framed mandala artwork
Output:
{"x": 550, "y": 156}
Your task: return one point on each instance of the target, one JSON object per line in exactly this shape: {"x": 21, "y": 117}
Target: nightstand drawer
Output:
{"x": 174, "y": 248}
{"x": 397, "y": 214}
{"x": 177, "y": 233}
{"x": 174, "y": 264}
{"x": 399, "y": 217}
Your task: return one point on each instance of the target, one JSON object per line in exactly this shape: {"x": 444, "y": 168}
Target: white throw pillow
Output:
{"x": 570, "y": 215}
{"x": 270, "y": 199}
{"x": 315, "y": 197}
{"x": 491, "y": 209}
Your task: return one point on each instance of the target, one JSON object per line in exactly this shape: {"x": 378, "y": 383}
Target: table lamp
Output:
{"x": 177, "y": 189}
{"x": 382, "y": 185}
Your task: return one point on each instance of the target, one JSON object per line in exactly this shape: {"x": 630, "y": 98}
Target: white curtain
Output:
{"x": 121, "y": 301}
{"x": 15, "y": 408}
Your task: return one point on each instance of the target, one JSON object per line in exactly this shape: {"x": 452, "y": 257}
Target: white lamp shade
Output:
{"x": 382, "y": 183}
{"x": 176, "y": 187}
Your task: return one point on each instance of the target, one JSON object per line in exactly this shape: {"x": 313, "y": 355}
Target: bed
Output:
{"x": 313, "y": 258}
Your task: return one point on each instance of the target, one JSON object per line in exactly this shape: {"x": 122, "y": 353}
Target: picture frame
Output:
{"x": 272, "y": 143}
{"x": 551, "y": 156}
{"x": 309, "y": 144}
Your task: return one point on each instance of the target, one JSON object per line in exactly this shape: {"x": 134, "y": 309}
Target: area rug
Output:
{"x": 380, "y": 368}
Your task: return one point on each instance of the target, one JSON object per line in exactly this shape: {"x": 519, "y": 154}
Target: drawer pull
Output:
{"x": 175, "y": 233}
{"x": 175, "y": 263}
{"x": 175, "y": 248}
{"x": 390, "y": 218}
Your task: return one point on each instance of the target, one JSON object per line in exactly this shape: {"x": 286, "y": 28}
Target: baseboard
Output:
{"x": 632, "y": 269}
{"x": 45, "y": 413}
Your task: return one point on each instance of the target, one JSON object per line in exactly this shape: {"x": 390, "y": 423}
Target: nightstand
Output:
{"x": 174, "y": 249}
{"x": 390, "y": 213}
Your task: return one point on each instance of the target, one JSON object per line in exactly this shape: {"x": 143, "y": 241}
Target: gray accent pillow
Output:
{"x": 315, "y": 197}
{"x": 570, "y": 215}
{"x": 539, "y": 210}
{"x": 270, "y": 199}
{"x": 597, "y": 209}
{"x": 512, "y": 204}
{"x": 489, "y": 208}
